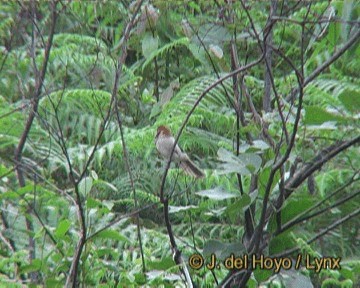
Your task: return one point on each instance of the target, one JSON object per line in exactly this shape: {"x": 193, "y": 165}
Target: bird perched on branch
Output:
{"x": 164, "y": 142}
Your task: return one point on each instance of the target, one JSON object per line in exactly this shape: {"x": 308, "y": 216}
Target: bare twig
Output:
{"x": 119, "y": 218}
{"x": 301, "y": 217}
{"x": 354, "y": 39}
{"x": 307, "y": 169}
{"x": 320, "y": 234}
{"x": 164, "y": 200}
{"x": 314, "y": 214}
{"x": 71, "y": 280}
{"x": 197, "y": 102}
{"x": 39, "y": 80}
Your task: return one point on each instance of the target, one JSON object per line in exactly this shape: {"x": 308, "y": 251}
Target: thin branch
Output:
{"x": 354, "y": 39}
{"x": 71, "y": 280}
{"x": 39, "y": 80}
{"x": 197, "y": 102}
{"x": 320, "y": 234}
{"x": 314, "y": 214}
{"x": 119, "y": 218}
{"x": 164, "y": 200}
{"x": 255, "y": 241}
{"x": 301, "y": 217}
{"x": 307, "y": 169}
{"x": 239, "y": 89}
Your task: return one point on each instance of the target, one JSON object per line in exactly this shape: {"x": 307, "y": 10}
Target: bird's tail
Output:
{"x": 191, "y": 169}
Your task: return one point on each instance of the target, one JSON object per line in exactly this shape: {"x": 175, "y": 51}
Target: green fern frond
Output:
{"x": 86, "y": 44}
{"x": 167, "y": 47}
{"x": 95, "y": 102}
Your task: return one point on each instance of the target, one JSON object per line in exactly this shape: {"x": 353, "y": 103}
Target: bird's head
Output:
{"x": 163, "y": 131}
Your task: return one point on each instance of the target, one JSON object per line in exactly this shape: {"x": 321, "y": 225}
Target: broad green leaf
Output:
{"x": 351, "y": 100}
{"x": 238, "y": 206}
{"x": 294, "y": 279}
{"x": 34, "y": 266}
{"x": 85, "y": 185}
{"x": 53, "y": 282}
{"x": 214, "y": 34}
{"x": 217, "y": 193}
{"x": 244, "y": 164}
{"x": 62, "y": 228}
{"x": 94, "y": 175}
{"x": 236, "y": 248}
{"x": 316, "y": 115}
{"x": 175, "y": 209}
{"x": 262, "y": 274}
{"x": 40, "y": 233}
{"x": 216, "y": 50}
{"x": 113, "y": 235}
{"x": 282, "y": 242}
{"x": 10, "y": 195}
{"x": 163, "y": 264}
{"x": 92, "y": 203}
{"x": 26, "y": 189}
{"x": 213, "y": 247}
{"x": 105, "y": 183}
{"x": 161, "y": 274}
{"x": 223, "y": 250}
{"x": 108, "y": 204}
{"x": 149, "y": 44}
{"x": 295, "y": 206}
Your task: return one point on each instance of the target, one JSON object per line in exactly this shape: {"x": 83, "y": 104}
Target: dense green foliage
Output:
{"x": 86, "y": 185}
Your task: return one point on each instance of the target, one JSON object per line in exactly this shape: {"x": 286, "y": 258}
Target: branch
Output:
{"x": 314, "y": 214}
{"x": 320, "y": 234}
{"x": 318, "y": 161}
{"x": 39, "y": 81}
{"x": 355, "y": 38}
{"x": 71, "y": 280}
{"x": 197, "y": 102}
{"x": 307, "y": 169}
{"x": 119, "y": 218}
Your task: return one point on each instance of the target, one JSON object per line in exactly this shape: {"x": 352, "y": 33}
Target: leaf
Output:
{"x": 244, "y": 164}
{"x": 213, "y": 34}
{"x": 217, "y": 193}
{"x": 238, "y": 206}
{"x": 164, "y": 276}
{"x": 213, "y": 247}
{"x": 149, "y": 44}
{"x": 34, "y": 266}
{"x": 282, "y": 242}
{"x": 216, "y": 50}
{"x": 255, "y": 146}
{"x": 62, "y": 228}
{"x": 163, "y": 264}
{"x": 294, "y": 279}
{"x": 222, "y": 250}
{"x": 351, "y": 100}
{"x": 105, "y": 183}
{"x": 316, "y": 115}
{"x": 108, "y": 204}
{"x": 85, "y": 185}
{"x": 175, "y": 209}
{"x": 178, "y": 42}
{"x": 113, "y": 235}
{"x": 94, "y": 175}
{"x": 92, "y": 203}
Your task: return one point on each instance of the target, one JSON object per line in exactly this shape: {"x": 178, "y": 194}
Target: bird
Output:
{"x": 164, "y": 142}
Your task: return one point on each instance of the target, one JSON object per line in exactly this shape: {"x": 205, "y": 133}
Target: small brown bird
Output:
{"x": 164, "y": 142}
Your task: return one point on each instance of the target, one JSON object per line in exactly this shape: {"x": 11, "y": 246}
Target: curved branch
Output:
{"x": 307, "y": 169}
{"x": 320, "y": 234}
